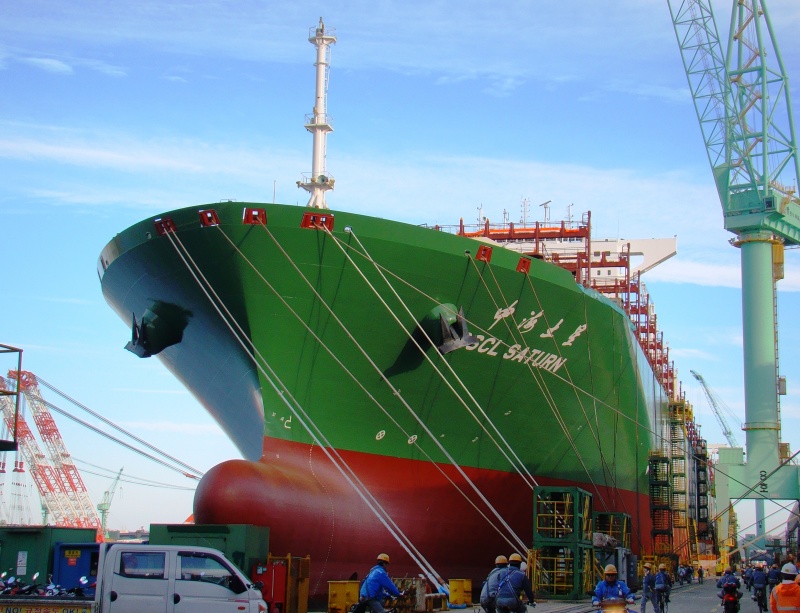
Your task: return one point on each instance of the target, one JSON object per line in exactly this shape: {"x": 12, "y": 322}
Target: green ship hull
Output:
{"x": 313, "y": 336}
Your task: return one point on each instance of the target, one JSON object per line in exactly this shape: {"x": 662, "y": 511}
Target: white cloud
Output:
{"x": 49, "y": 65}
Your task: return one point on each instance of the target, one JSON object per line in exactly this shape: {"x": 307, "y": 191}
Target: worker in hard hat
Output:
{"x": 786, "y": 595}
{"x": 512, "y": 582}
{"x": 663, "y": 584}
{"x": 489, "y": 589}
{"x": 649, "y": 588}
{"x": 611, "y": 587}
{"x": 378, "y": 586}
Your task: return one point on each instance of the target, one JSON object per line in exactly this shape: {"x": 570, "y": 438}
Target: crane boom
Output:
{"x": 57, "y": 450}
{"x": 715, "y": 407}
{"x": 105, "y": 505}
{"x": 743, "y": 104}
{"x": 45, "y": 476}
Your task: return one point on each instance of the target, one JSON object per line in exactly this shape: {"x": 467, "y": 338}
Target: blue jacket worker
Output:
{"x": 663, "y": 582}
{"x": 511, "y": 582}
{"x": 611, "y": 588}
{"x": 378, "y": 586}
{"x": 773, "y": 576}
{"x": 649, "y": 588}
{"x": 728, "y": 579}
{"x": 759, "y": 577}
{"x": 489, "y": 589}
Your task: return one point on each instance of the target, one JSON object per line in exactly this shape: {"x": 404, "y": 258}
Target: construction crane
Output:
{"x": 57, "y": 450}
{"x": 51, "y": 486}
{"x": 105, "y": 504}
{"x": 716, "y": 406}
{"x": 743, "y": 104}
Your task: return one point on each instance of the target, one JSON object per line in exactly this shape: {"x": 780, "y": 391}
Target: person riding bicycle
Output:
{"x": 489, "y": 589}
{"x": 663, "y": 585}
{"x": 377, "y": 586}
{"x": 649, "y": 589}
{"x": 759, "y": 580}
{"x": 512, "y": 581}
{"x": 610, "y": 587}
{"x": 786, "y": 595}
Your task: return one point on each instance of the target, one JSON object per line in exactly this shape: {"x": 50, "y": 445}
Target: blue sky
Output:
{"x": 112, "y": 112}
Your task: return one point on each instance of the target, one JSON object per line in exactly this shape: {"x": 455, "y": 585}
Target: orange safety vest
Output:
{"x": 785, "y": 597}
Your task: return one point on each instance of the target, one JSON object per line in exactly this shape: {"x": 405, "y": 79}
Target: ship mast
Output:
{"x": 319, "y": 123}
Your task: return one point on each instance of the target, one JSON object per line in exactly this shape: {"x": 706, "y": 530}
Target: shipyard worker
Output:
{"x": 511, "y": 582}
{"x": 649, "y": 588}
{"x": 730, "y": 581}
{"x": 378, "y": 586}
{"x": 728, "y": 577}
{"x": 489, "y": 589}
{"x": 786, "y": 595}
{"x": 610, "y": 587}
{"x": 773, "y": 577}
{"x": 663, "y": 582}
{"x": 748, "y": 577}
{"x": 700, "y": 574}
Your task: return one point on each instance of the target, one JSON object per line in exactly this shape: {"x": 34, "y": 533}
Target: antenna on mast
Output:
{"x": 319, "y": 123}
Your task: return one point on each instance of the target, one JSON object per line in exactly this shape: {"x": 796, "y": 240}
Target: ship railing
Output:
{"x": 308, "y": 178}
{"x": 321, "y": 119}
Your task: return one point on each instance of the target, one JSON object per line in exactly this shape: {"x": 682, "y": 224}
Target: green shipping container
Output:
{"x": 25, "y": 550}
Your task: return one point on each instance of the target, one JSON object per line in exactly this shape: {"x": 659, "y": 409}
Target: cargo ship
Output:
{"x": 400, "y": 388}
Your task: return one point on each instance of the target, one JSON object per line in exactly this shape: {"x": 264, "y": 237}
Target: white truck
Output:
{"x": 155, "y": 579}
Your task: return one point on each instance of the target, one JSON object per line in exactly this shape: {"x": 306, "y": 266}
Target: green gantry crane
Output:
{"x": 105, "y": 504}
{"x": 744, "y": 108}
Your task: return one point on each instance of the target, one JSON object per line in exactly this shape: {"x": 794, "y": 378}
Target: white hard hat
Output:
{"x": 789, "y": 569}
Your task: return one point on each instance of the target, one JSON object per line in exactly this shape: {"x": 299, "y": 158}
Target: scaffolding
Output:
{"x": 562, "y": 560}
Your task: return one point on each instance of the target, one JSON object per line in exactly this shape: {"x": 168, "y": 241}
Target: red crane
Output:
{"x": 70, "y": 481}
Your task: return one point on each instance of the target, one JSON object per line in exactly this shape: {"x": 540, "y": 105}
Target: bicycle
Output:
{"x": 663, "y": 600}
{"x": 760, "y": 596}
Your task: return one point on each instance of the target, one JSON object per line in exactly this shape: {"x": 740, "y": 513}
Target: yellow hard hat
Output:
{"x": 515, "y": 557}
{"x": 610, "y": 570}
{"x": 501, "y": 560}
{"x": 647, "y": 565}
{"x": 382, "y": 557}
{"x": 662, "y": 567}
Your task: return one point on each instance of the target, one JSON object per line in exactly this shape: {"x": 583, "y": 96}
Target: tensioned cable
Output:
{"x": 364, "y": 494}
{"x": 395, "y": 391}
{"x": 613, "y": 408}
{"x": 116, "y": 427}
{"x": 601, "y": 401}
{"x": 477, "y": 327}
{"x": 119, "y": 441}
{"x": 183, "y": 254}
{"x": 131, "y": 478}
{"x": 538, "y": 377}
{"x": 430, "y": 361}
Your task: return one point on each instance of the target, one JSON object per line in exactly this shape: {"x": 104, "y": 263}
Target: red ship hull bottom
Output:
{"x": 311, "y": 510}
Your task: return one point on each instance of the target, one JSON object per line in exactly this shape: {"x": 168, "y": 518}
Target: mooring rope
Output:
{"x": 399, "y": 396}
{"x": 518, "y": 466}
{"x": 298, "y": 412}
{"x": 395, "y": 391}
